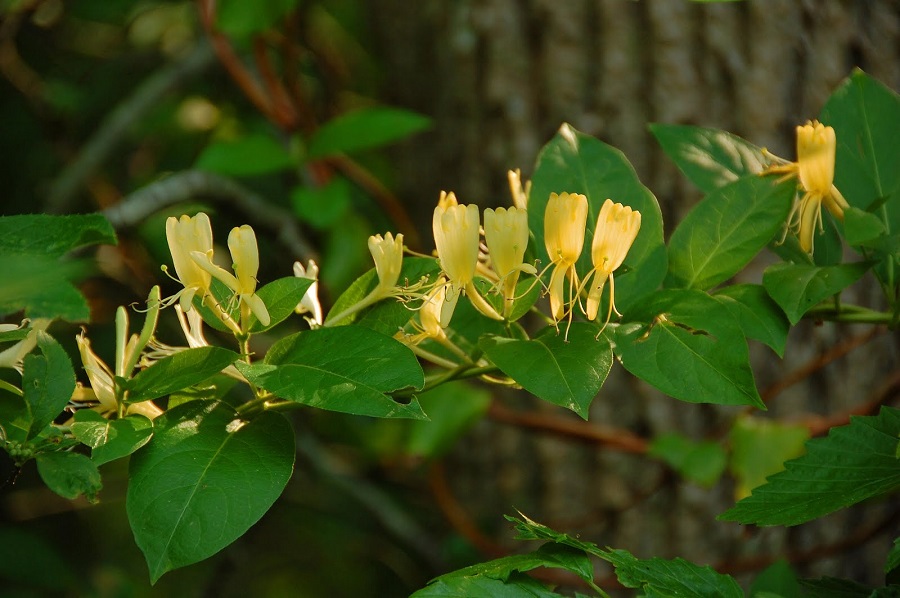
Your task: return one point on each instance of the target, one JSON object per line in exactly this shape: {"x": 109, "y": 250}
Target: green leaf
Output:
{"x": 839, "y": 588}
{"x": 677, "y": 577}
{"x": 241, "y": 19}
{"x": 53, "y": 236}
{"x": 528, "y": 291}
{"x": 853, "y": 463}
{"x": 864, "y": 114}
{"x": 69, "y": 474}
{"x": 453, "y": 408}
{"x": 701, "y": 462}
{"x": 348, "y": 369}
{"x": 252, "y": 155}
{"x": 48, "y": 383}
{"x": 206, "y": 477}
{"x": 15, "y": 419}
{"x": 484, "y": 577}
{"x": 41, "y": 285}
{"x": 566, "y": 373}
{"x": 778, "y": 579}
{"x": 688, "y": 345}
{"x": 797, "y": 288}
{"x": 389, "y": 315}
{"x": 710, "y": 158}
{"x": 892, "y": 562}
{"x": 860, "y": 226}
{"x": 224, "y": 298}
{"x": 757, "y": 314}
{"x": 281, "y": 297}
{"x": 111, "y": 439}
{"x": 726, "y": 230}
{"x": 179, "y": 371}
{"x": 577, "y": 163}
{"x": 364, "y": 129}
{"x": 323, "y": 207}
{"x": 759, "y": 449}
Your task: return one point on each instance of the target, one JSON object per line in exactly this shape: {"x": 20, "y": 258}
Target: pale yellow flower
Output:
{"x": 13, "y": 357}
{"x": 816, "y": 149}
{"x": 506, "y": 235}
{"x": 310, "y": 302}
{"x": 456, "y": 236}
{"x": 617, "y": 227}
{"x": 518, "y": 191}
{"x": 186, "y": 235}
{"x": 387, "y": 252}
{"x": 564, "y": 224}
{"x": 245, "y": 259}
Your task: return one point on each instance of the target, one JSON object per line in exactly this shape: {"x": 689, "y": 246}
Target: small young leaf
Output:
{"x": 204, "y": 480}
{"x": 48, "y": 383}
{"x": 722, "y": 233}
{"x": 364, "y": 129}
{"x": 701, "y": 462}
{"x": 853, "y": 463}
{"x": 69, "y": 474}
{"x": 568, "y": 373}
{"x": 797, "y": 288}
{"x": 281, "y": 297}
{"x": 710, "y": 158}
{"x": 179, "y": 371}
{"x": 757, "y": 314}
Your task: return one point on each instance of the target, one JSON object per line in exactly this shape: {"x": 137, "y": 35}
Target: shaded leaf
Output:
{"x": 252, "y": 155}
{"x": 853, "y": 463}
{"x": 204, "y": 480}
{"x": 757, "y": 314}
{"x": 178, "y": 371}
{"x": 53, "y": 236}
{"x": 677, "y": 577}
{"x": 48, "y": 383}
{"x": 69, "y": 474}
{"x": 281, "y": 297}
{"x": 701, "y": 462}
{"x": 364, "y": 129}
{"x": 797, "y": 288}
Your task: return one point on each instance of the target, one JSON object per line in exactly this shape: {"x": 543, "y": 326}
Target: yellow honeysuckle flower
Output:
{"x": 506, "y": 235}
{"x": 816, "y": 149}
{"x": 387, "y": 252}
{"x": 310, "y": 302}
{"x": 245, "y": 258}
{"x": 13, "y": 357}
{"x": 186, "y": 235}
{"x": 617, "y": 227}
{"x": 518, "y": 191}
{"x": 456, "y": 236}
{"x": 564, "y": 225}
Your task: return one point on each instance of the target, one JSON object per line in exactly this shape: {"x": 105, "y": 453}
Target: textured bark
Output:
{"x": 499, "y": 76}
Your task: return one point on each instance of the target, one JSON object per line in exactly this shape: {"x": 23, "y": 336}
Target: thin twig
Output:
{"x": 111, "y": 132}
{"x": 191, "y": 184}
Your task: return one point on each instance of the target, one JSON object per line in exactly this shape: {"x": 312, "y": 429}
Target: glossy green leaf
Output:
{"x": 252, "y": 155}
{"x": 759, "y": 449}
{"x": 111, "y": 439}
{"x": 757, "y": 314}
{"x": 864, "y": 114}
{"x": 797, "y": 288}
{"x": 687, "y": 344}
{"x": 577, "y": 163}
{"x": 710, "y": 158}
{"x": 224, "y": 299}
{"x": 701, "y": 462}
{"x": 346, "y": 368}
{"x": 364, "y": 129}
{"x": 53, "y": 236}
{"x": 205, "y": 478}
{"x": 281, "y": 297}
{"x": 726, "y": 230}
{"x": 568, "y": 373}
{"x": 528, "y": 291}
{"x": 48, "y": 383}
{"x": 853, "y": 463}
{"x": 69, "y": 474}
{"x": 179, "y": 371}
{"x": 480, "y": 586}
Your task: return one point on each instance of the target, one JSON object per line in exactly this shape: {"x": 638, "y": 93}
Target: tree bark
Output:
{"x": 499, "y": 77}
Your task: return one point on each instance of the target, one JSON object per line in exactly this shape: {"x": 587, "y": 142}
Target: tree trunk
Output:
{"x": 499, "y": 77}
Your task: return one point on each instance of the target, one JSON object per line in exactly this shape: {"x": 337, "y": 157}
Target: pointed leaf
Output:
{"x": 252, "y": 155}
{"x": 204, "y": 480}
{"x": 566, "y": 373}
{"x": 281, "y": 298}
{"x": 364, "y": 129}
{"x": 797, "y": 288}
{"x": 677, "y": 577}
{"x": 710, "y": 158}
{"x": 853, "y": 463}
{"x": 577, "y": 163}
{"x": 179, "y": 371}
{"x": 688, "y": 346}
{"x": 726, "y": 230}
{"x": 757, "y": 314}
{"x": 111, "y": 439}
{"x": 53, "y": 236}
{"x": 48, "y": 383}
{"x": 759, "y": 449}
{"x": 701, "y": 462}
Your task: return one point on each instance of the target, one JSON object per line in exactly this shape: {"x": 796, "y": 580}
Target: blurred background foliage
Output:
{"x": 320, "y": 122}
